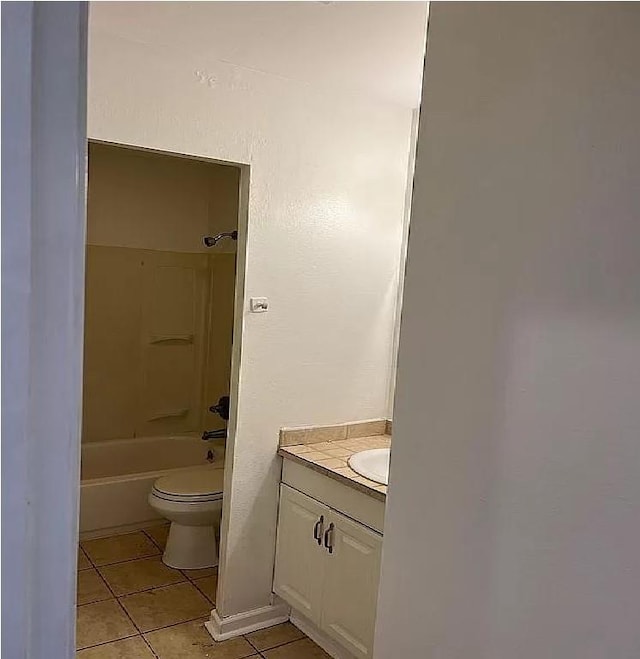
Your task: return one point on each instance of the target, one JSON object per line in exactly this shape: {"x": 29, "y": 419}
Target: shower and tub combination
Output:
{"x": 130, "y": 483}
{"x": 158, "y": 331}
{"x": 118, "y": 474}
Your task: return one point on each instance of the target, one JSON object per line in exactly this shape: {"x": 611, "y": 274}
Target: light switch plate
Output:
{"x": 258, "y": 304}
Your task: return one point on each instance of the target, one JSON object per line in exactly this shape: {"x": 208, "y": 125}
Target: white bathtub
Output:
{"x": 117, "y": 476}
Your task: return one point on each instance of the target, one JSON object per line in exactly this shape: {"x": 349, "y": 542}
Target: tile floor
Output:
{"x": 132, "y": 606}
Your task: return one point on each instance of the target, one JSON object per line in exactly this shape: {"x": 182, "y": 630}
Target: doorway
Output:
{"x": 158, "y": 343}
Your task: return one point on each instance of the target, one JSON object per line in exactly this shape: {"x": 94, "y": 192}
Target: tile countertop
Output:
{"x": 330, "y": 459}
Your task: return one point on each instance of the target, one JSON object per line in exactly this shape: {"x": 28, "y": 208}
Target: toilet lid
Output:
{"x": 203, "y": 484}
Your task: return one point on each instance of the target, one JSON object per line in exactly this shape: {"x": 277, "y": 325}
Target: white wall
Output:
{"x": 374, "y": 48}
{"x": 326, "y": 199}
{"x": 513, "y": 519}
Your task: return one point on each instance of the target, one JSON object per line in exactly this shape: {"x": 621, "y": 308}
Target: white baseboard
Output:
{"x": 319, "y": 637}
{"x": 250, "y": 621}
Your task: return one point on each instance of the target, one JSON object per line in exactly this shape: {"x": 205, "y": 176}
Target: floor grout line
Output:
{"x": 113, "y": 640}
{"x": 127, "y": 560}
{"x": 121, "y": 533}
{"x": 248, "y": 640}
{"x": 184, "y": 580}
{"x": 202, "y": 619}
{"x": 195, "y": 585}
{"x": 133, "y": 622}
{"x": 91, "y": 563}
{"x": 155, "y": 542}
{"x": 128, "y": 616}
{"x": 258, "y": 653}
{"x": 143, "y": 590}
{"x": 153, "y": 652}
{"x": 146, "y": 590}
{"x": 204, "y": 576}
{"x": 175, "y": 624}
{"x": 117, "y": 599}
{"x": 273, "y": 647}
{"x": 168, "y": 585}
{"x": 106, "y": 599}
{"x": 148, "y": 557}
{"x": 106, "y": 583}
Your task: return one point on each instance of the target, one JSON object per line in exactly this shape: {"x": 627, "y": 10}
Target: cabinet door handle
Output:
{"x": 328, "y": 538}
{"x": 317, "y": 530}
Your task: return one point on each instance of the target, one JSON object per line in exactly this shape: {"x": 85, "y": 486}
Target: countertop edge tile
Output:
{"x": 346, "y": 479}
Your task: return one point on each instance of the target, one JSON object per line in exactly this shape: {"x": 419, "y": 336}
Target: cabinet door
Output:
{"x": 351, "y": 585}
{"x": 300, "y": 560}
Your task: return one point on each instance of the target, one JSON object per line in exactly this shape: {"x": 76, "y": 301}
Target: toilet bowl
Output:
{"x": 192, "y": 501}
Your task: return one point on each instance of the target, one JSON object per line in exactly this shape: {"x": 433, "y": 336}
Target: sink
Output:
{"x": 372, "y": 464}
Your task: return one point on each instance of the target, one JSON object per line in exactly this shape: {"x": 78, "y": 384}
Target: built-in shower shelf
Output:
{"x": 170, "y": 414}
{"x": 172, "y": 338}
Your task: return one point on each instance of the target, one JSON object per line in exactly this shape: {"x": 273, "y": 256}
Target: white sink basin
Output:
{"x": 372, "y": 464}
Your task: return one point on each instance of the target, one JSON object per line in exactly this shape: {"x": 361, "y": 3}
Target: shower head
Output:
{"x": 210, "y": 241}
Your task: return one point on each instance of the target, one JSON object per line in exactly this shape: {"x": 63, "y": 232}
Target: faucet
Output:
{"x": 214, "y": 434}
{"x": 210, "y": 241}
{"x": 222, "y": 410}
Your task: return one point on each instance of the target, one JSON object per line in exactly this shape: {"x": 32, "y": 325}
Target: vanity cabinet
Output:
{"x": 300, "y": 558}
{"x": 327, "y": 569}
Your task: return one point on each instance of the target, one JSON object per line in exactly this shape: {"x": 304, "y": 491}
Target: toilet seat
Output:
{"x": 193, "y": 486}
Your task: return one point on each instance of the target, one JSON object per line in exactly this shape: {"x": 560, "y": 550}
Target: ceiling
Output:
{"x": 372, "y": 48}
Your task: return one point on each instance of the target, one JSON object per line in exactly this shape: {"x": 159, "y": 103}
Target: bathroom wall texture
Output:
{"x": 325, "y": 207}
{"x": 512, "y": 517}
{"x": 159, "y": 305}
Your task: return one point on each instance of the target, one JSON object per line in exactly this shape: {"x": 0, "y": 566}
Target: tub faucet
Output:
{"x": 214, "y": 434}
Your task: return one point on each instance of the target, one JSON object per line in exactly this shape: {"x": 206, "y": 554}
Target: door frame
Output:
{"x": 44, "y": 60}
{"x": 238, "y": 321}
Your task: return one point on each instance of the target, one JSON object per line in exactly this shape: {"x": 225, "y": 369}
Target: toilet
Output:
{"x": 192, "y": 501}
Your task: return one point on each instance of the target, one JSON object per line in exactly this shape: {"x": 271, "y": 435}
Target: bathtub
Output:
{"x": 117, "y": 476}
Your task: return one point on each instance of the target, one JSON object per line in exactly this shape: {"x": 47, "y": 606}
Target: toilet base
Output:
{"x": 191, "y": 547}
